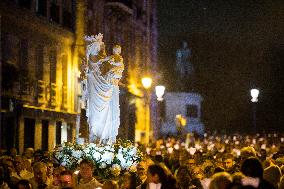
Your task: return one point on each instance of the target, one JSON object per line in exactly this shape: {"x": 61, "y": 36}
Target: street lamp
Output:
{"x": 254, "y": 95}
{"x": 146, "y": 82}
{"x": 160, "y": 90}
{"x": 254, "y": 99}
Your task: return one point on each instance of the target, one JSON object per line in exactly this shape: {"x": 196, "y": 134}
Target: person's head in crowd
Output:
{"x": 252, "y": 167}
{"x": 237, "y": 177}
{"x": 229, "y": 163}
{"x": 220, "y": 181}
{"x": 142, "y": 168}
{"x": 2, "y": 175}
{"x": 49, "y": 165}
{"x": 266, "y": 163}
{"x": 198, "y": 172}
{"x": 198, "y": 157}
{"x": 129, "y": 181}
{"x": 56, "y": 176}
{"x": 183, "y": 177}
{"x": 153, "y": 153}
{"x": 247, "y": 152}
{"x": 46, "y": 154}
{"x": 40, "y": 173}
{"x": 279, "y": 161}
{"x": 13, "y": 152}
{"x": 219, "y": 160}
{"x": 272, "y": 174}
{"x": 38, "y": 155}
{"x": 29, "y": 153}
{"x": 183, "y": 157}
{"x": 110, "y": 184}
{"x": 8, "y": 163}
{"x": 191, "y": 163}
{"x": 23, "y": 184}
{"x": 156, "y": 174}
{"x": 66, "y": 180}
{"x": 27, "y": 164}
{"x": 262, "y": 154}
{"x": 158, "y": 158}
{"x": 208, "y": 171}
{"x": 86, "y": 169}
{"x": 18, "y": 164}
{"x": 219, "y": 170}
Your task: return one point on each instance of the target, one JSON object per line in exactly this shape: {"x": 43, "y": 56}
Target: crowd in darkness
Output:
{"x": 211, "y": 161}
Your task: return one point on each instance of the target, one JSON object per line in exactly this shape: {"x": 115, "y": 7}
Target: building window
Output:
{"x": 24, "y": 54}
{"x": 25, "y": 3}
{"x": 39, "y": 62}
{"x": 191, "y": 111}
{"x": 6, "y": 48}
{"x": 67, "y": 17}
{"x": 54, "y": 12}
{"x": 41, "y": 7}
{"x": 64, "y": 70}
{"x": 53, "y": 60}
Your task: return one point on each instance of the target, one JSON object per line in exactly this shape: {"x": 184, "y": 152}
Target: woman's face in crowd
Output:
{"x": 153, "y": 178}
{"x": 86, "y": 171}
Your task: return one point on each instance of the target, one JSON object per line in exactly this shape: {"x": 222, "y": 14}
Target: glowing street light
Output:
{"x": 254, "y": 98}
{"x": 160, "y": 90}
{"x": 254, "y": 95}
{"x": 146, "y": 82}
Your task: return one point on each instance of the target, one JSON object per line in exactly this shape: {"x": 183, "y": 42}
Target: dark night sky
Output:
{"x": 236, "y": 44}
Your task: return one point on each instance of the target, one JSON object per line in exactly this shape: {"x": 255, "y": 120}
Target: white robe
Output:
{"x": 103, "y": 103}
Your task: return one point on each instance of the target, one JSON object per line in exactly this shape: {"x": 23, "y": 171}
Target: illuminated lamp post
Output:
{"x": 147, "y": 83}
{"x": 254, "y": 99}
{"x": 160, "y": 91}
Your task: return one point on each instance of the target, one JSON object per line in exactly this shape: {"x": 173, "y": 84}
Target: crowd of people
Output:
{"x": 207, "y": 162}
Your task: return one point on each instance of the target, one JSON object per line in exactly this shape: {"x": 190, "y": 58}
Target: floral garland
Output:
{"x": 110, "y": 160}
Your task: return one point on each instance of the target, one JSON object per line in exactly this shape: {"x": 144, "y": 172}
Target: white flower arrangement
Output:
{"x": 110, "y": 160}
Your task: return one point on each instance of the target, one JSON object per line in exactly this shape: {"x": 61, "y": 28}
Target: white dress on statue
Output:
{"x": 103, "y": 101}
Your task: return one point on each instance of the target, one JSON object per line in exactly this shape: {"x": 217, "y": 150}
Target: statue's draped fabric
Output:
{"x": 103, "y": 103}
{"x": 102, "y": 97}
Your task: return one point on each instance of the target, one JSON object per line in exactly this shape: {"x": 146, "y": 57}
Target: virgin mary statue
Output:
{"x": 102, "y": 91}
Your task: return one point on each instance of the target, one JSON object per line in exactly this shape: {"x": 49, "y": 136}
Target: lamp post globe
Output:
{"x": 254, "y": 98}
{"x": 146, "y": 82}
{"x": 160, "y": 90}
{"x": 254, "y": 95}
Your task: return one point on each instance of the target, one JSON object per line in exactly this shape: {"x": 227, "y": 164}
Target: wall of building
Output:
{"x": 40, "y": 51}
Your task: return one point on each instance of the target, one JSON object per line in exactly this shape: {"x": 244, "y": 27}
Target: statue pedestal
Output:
{"x": 182, "y": 113}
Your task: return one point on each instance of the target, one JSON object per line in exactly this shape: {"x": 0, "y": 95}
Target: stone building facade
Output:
{"x": 133, "y": 25}
{"x": 41, "y": 42}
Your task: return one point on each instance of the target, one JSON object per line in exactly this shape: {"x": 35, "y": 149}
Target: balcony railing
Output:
{"x": 41, "y": 92}
{"x": 53, "y": 95}
{"x": 64, "y": 104}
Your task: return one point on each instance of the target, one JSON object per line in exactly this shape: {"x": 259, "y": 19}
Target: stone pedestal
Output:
{"x": 185, "y": 105}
